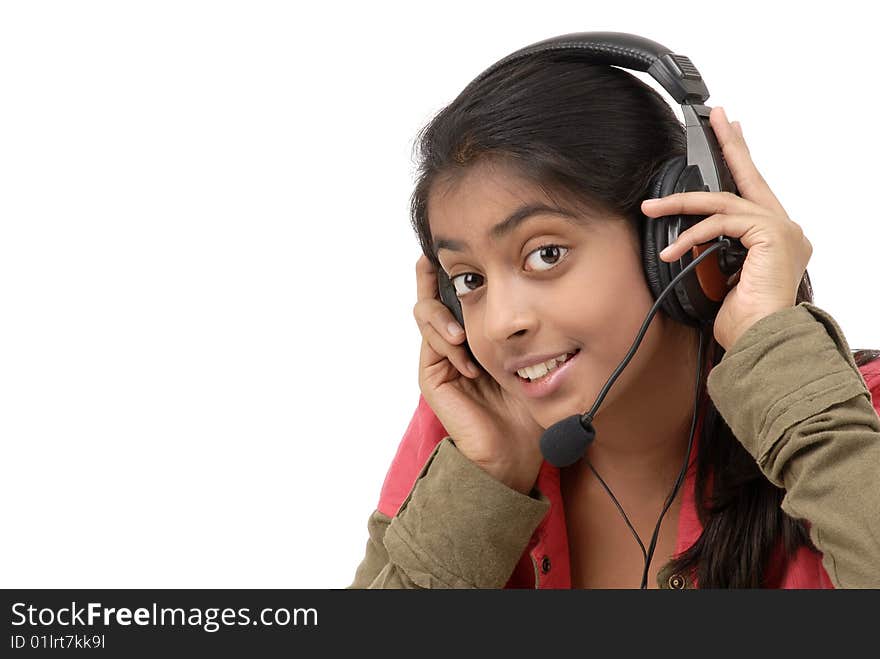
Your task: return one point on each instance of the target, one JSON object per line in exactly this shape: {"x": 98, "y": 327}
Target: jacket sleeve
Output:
{"x": 458, "y": 527}
{"x": 792, "y": 393}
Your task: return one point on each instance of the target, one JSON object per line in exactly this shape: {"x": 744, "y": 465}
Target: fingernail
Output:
{"x": 650, "y": 201}
{"x": 472, "y": 368}
{"x": 665, "y": 250}
{"x": 723, "y": 114}
{"x": 455, "y": 329}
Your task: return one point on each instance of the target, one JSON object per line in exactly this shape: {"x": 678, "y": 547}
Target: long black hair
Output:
{"x": 598, "y": 134}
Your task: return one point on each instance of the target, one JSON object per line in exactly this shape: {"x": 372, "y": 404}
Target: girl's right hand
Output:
{"x": 489, "y": 426}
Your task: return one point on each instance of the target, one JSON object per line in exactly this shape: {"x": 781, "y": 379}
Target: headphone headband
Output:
{"x": 675, "y": 73}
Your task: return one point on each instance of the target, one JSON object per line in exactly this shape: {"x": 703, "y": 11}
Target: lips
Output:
{"x": 512, "y": 366}
{"x": 568, "y": 355}
{"x": 551, "y": 382}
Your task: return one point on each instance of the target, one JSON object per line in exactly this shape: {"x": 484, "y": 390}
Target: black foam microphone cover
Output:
{"x": 566, "y": 441}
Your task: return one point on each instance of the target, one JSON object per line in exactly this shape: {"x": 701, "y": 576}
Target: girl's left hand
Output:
{"x": 778, "y": 250}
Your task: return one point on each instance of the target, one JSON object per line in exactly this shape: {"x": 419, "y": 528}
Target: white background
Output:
{"x": 207, "y": 349}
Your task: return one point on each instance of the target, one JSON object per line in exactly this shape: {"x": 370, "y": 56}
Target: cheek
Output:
{"x": 610, "y": 313}
{"x": 607, "y": 300}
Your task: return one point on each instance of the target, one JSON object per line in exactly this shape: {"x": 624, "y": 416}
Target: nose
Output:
{"x": 509, "y": 310}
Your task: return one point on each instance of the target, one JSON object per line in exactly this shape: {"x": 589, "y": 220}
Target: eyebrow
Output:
{"x": 507, "y": 225}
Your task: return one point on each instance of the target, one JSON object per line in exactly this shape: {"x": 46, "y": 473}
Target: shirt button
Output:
{"x": 676, "y": 582}
{"x": 545, "y": 564}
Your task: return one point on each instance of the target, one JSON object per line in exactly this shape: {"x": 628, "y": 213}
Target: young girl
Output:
{"x": 779, "y": 465}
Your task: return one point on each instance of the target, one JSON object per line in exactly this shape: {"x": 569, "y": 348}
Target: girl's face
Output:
{"x": 547, "y": 284}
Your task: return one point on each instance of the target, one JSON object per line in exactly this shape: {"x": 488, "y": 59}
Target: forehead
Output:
{"x": 479, "y": 196}
{"x": 490, "y": 200}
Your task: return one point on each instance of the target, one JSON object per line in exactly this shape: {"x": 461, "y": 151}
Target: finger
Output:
{"x": 426, "y": 279}
{"x": 429, "y": 361}
{"x": 428, "y": 357}
{"x": 437, "y": 314}
{"x": 457, "y": 355}
{"x": 742, "y": 227}
{"x": 749, "y": 181}
{"x": 739, "y": 132}
{"x": 700, "y": 203}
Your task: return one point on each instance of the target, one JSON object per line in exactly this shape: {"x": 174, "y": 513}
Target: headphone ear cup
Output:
{"x": 657, "y": 234}
{"x": 695, "y": 300}
{"x": 450, "y": 299}
{"x": 448, "y": 296}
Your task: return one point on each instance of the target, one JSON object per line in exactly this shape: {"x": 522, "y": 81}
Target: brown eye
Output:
{"x": 467, "y": 280}
{"x": 547, "y": 255}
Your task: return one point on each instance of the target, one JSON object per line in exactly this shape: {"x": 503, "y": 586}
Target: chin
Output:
{"x": 546, "y": 415}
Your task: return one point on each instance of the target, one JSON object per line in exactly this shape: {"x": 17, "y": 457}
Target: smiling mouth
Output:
{"x": 543, "y": 375}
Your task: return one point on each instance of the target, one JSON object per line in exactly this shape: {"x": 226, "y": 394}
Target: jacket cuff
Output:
{"x": 459, "y": 527}
{"x": 786, "y": 367}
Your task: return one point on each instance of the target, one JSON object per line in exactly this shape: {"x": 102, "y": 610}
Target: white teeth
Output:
{"x": 540, "y": 370}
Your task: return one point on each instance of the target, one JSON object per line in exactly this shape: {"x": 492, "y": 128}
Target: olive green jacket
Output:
{"x": 791, "y": 392}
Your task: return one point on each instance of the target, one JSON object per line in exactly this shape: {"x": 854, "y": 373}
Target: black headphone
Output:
{"x": 700, "y": 283}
